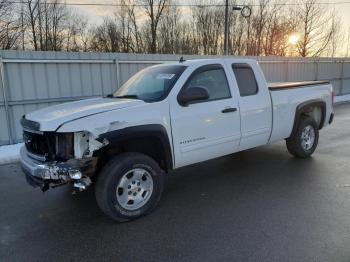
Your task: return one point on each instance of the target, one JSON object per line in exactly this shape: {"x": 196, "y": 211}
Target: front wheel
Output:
{"x": 303, "y": 142}
{"x": 129, "y": 186}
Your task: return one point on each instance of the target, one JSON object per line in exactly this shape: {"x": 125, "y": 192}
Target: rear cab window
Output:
{"x": 245, "y": 78}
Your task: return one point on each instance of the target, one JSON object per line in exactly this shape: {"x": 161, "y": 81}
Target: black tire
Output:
{"x": 294, "y": 143}
{"x": 110, "y": 176}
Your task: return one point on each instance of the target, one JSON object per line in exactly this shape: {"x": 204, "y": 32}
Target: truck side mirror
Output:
{"x": 191, "y": 94}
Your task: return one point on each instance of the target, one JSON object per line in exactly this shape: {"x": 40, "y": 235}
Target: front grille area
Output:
{"x": 35, "y": 143}
{"x": 51, "y": 145}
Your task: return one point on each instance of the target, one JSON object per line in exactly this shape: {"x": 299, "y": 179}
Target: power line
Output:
{"x": 119, "y": 5}
{"x": 175, "y": 5}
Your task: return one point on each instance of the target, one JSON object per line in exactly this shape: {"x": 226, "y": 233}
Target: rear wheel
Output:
{"x": 303, "y": 142}
{"x": 129, "y": 186}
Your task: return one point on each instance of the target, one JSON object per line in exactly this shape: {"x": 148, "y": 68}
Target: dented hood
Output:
{"x": 51, "y": 118}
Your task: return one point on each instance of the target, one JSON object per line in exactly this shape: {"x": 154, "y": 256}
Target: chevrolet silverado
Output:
{"x": 163, "y": 118}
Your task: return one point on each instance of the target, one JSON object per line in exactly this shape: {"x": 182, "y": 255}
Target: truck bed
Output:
{"x": 289, "y": 85}
{"x": 287, "y": 96}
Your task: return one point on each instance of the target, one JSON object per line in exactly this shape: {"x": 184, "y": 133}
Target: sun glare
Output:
{"x": 293, "y": 39}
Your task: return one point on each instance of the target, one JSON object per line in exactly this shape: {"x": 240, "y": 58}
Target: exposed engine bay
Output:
{"x": 61, "y": 158}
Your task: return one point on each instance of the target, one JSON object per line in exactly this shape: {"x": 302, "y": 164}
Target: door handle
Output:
{"x": 229, "y": 110}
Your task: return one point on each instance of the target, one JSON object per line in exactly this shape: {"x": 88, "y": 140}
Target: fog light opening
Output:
{"x": 75, "y": 174}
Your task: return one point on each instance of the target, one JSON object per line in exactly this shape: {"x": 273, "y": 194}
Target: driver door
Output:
{"x": 206, "y": 129}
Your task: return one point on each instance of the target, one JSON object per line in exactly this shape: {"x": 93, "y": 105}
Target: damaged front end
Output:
{"x": 51, "y": 159}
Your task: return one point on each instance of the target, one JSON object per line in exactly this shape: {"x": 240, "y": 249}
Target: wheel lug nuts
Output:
{"x": 138, "y": 183}
{"x": 129, "y": 186}
{"x": 133, "y": 182}
{"x": 139, "y": 189}
{"x": 129, "y": 193}
{"x": 135, "y": 194}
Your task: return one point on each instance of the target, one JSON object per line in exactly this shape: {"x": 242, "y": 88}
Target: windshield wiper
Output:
{"x": 127, "y": 96}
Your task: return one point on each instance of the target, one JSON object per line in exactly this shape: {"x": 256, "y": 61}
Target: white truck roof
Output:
{"x": 199, "y": 62}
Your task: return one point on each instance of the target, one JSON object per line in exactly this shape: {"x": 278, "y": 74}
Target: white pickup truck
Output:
{"x": 165, "y": 117}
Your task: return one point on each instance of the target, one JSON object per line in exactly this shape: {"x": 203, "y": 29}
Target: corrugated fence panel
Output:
{"x": 53, "y": 80}
{"x": 346, "y": 81}
{"x": 38, "y": 79}
{"x": 274, "y": 72}
{"x": 16, "y": 113}
{"x": 4, "y": 128}
{"x": 4, "y": 135}
{"x": 300, "y": 71}
{"x": 1, "y": 91}
{"x": 336, "y": 86}
{"x": 329, "y": 70}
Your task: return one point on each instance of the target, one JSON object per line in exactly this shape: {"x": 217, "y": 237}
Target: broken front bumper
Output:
{"x": 52, "y": 174}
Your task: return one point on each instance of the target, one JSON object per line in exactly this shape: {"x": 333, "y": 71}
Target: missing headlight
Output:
{"x": 64, "y": 146}
{"x": 85, "y": 144}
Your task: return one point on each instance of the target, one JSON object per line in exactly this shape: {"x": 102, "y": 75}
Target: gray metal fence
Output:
{"x": 32, "y": 80}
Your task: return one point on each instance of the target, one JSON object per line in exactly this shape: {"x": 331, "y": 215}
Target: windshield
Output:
{"x": 151, "y": 84}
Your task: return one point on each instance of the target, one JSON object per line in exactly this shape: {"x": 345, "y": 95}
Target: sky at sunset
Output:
{"x": 342, "y": 7}
{"x": 344, "y": 12}
{"x": 96, "y": 13}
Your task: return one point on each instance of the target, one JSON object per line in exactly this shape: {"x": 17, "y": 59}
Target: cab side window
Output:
{"x": 213, "y": 78}
{"x": 246, "y": 80}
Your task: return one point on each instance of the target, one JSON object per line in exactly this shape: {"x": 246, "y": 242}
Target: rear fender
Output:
{"x": 307, "y": 108}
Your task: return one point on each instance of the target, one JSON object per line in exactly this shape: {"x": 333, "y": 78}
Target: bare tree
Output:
{"x": 169, "y": 31}
{"x": 154, "y": 10}
{"x": 136, "y": 32}
{"x": 259, "y": 24}
{"x": 337, "y": 36}
{"x": 315, "y": 27}
{"x": 125, "y": 29}
{"x": 47, "y": 23}
{"x": 32, "y": 15}
{"x": 78, "y": 33}
{"x": 209, "y": 28}
{"x": 160, "y": 26}
{"x": 279, "y": 26}
{"x": 106, "y": 37}
{"x": 347, "y": 49}
{"x": 9, "y": 25}
{"x": 236, "y": 34}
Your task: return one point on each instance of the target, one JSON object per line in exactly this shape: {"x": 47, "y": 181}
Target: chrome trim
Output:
{"x": 36, "y": 157}
{"x": 44, "y": 171}
{"x": 33, "y": 131}
{"x": 51, "y": 174}
{"x": 29, "y": 165}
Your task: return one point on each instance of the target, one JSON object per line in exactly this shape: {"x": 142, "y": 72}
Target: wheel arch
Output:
{"x": 151, "y": 140}
{"x": 308, "y": 108}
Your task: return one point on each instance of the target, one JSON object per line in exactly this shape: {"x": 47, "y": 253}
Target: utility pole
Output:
{"x": 22, "y": 25}
{"x": 245, "y": 12}
{"x": 226, "y": 29}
